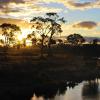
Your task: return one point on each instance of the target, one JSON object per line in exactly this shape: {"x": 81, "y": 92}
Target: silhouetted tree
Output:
{"x": 95, "y": 41}
{"x": 55, "y": 21}
{"x": 60, "y": 41}
{"x": 91, "y": 88}
{"x": 53, "y": 41}
{"x": 32, "y": 37}
{"x": 1, "y": 41}
{"x": 47, "y": 26}
{"x": 24, "y": 42}
{"x": 75, "y": 39}
{"x": 39, "y": 23}
{"x": 8, "y": 32}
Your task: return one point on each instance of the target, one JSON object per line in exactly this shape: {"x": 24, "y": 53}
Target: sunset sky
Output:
{"x": 83, "y": 16}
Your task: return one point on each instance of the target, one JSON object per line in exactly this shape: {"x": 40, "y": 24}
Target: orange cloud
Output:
{"x": 21, "y": 23}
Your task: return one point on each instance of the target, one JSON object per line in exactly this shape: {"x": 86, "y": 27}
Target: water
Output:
{"x": 52, "y": 83}
{"x": 82, "y": 91}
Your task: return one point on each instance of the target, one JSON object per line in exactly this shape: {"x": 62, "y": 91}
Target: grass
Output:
{"x": 65, "y": 60}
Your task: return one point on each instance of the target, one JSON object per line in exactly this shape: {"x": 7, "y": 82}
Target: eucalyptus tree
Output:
{"x": 95, "y": 41}
{"x": 32, "y": 37}
{"x": 75, "y": 39}
{"x": 47, "y": 26}
{"x": 56, "y": 23}
{"x": 8, "y": 31}
{"x": 1, "y": 41}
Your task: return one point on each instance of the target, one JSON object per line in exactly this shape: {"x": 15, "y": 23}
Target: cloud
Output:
{"x": 79, "y": 27}
{"x": 83, "y": 5}
{"x": 85, "y": 28}
{"x": 76, "y": 5}
{"x": 24, "y": 25}
{"x": 86, "y": 25}
{"x": 8, "y": 1}
{"x": 70, "y": 4}
{"x": 21, "y": 23}
{"x": 24, "y": 9}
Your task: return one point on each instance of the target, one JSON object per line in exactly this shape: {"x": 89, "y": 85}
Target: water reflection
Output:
{"x": 37, "y": 98}
{"x": 36, "y": 91}
{"x": 53, "y": 92}
{"x": 90, "y": 91}
{"x": 53, "y": 85}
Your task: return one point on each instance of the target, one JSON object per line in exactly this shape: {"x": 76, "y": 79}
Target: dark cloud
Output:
{"x": 4, "y": 5}
{"x": 74, "y": 4}
{"x": 86, "y": 24}
{"x": 1, "y": 6}
{"x": 8, "y": 1}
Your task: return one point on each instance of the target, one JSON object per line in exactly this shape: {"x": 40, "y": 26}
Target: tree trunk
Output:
{"x": 42, "y": 47}
{"x": 5, "y": 41}
{"x": 49, "y": 46}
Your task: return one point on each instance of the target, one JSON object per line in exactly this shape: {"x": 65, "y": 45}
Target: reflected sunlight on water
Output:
{"x": 71, "y": 94}
{"x": 37, "y": 98}
{"x": 83, "y": 91}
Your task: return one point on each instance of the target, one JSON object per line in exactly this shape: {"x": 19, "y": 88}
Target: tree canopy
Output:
{"x": 47, "y": 26}
{"x": 75, "y": 39}
{"x": 8, "y": 31}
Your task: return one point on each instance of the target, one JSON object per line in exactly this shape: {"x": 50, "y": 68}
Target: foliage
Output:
{"x": 1, "y": 41}
{"x": 75, "y": 39}
{"x": 95, "y": 41}
{"x": 47, "y": 26}
{"x": 60, "y": 41}
{"x": 8, "y": 32}
{"x": 53, "y": 41}
{"x": 32, "y": 37}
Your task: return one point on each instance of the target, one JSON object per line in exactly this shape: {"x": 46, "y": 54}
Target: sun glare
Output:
{"x": 24, "y": 34}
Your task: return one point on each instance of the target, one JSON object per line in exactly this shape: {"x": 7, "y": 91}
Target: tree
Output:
{"x": 32, "y": 37}
{"x": 9, "y": 32}
{"x": 39, "y": 25}
{"x": 60, "y": 41}
{"x": 1, "y": 41}
{"x": 75, "y": 39}
{"x": 47, "y": 26}
{"x": 55, "y": 27}
{"x": 53, "y": 41}
{"x": 24, "y": 42}
{"x": 95, "y": 41}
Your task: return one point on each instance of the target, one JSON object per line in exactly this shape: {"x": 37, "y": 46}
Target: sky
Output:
{"x": 83, "y": 16}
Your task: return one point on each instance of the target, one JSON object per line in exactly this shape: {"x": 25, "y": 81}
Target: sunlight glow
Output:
{"x": 37, "y": 98}
{"x": 24, "y": 34}
{"x": 28, "y": 43}
{"x": 19, "y": 37}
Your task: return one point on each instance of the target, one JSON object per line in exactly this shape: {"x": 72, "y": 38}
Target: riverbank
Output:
{"x": 63, "y": 62}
